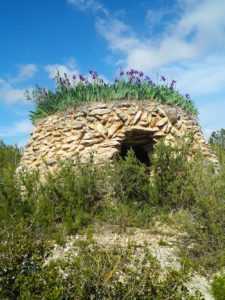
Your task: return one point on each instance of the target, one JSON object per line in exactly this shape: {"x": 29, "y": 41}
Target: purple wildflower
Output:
{"x": 172, "y": 84}
{"x": 138, "y": 80}
{"x": 45, "y": 92}
{"x": 121, "y": 73}
{"x": 81, "y": 78}
{"x": 163, "y": 78}
{"x": 141, "y": 74}
{"x": 94, "y": 74}
{"x": 187, "y": 96}
{"x": 74, "y": 77}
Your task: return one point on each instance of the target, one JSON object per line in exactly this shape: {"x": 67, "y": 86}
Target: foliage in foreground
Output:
{"x": 75, "y": 90}
{"x": 80, "y": 195}
{"x": 91, "y": 272}
{"x": 218, "y": 287}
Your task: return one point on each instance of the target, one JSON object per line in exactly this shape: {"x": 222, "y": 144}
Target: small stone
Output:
{"x": 179, "y": 124}
{"x": 101, "y": 129}
{"x": 57, "y": 134}
{"x": 111, "y": 143}
{"x": 114, "y": 128}
{"x": 65, "y": 147}
{"x": 153, "y": 122}
{"x": 100, "y": 111}
{"x": 161, "y": 112}
{"x": 121, "y": 116}
{"x": 123, "y": 104}
{"x": 141, "y": 129}
{"x": 88, "y": 136}
{"x": 137, "y": 117}
{"x": 159, "y": 134}
{"x": 162, "y": 122}
{"x": 69, "y": 139}
{"x": 91, "y": 142}
{"x": 167, "y": 128}
{"x": 77, "y": 125}
{"x": 143, "y": 123}
{"x": 172, "y": 114}
{"x": 90, "y": 119}
{"x": 144, "y": 116}
{"x": 51, "y": 162}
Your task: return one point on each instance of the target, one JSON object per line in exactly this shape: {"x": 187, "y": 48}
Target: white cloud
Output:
{"x": 70, "y": 68}
{"x": 9, "y": 94}
{"x": 16, "y": 129}
{"x": 25, "y": 72}
{"x": 199, "y": 27}
{"x": 201, "y": 78}
{"x": 89, "y": 5}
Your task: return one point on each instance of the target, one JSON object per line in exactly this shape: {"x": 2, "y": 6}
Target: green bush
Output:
{"x": 70, "y": 197}
{"x": 97, "y": 273}
{"x": 130, "y": 180}
{"x": 171, "y": 184}
{"x": 218, "y": 138}
{"x": 123, "y": 193}
{"x": 218, "y": 287}
{"x": 22, "y": 254}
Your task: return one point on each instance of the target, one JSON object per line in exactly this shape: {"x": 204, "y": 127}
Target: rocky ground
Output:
{"x": 161, "y": 240}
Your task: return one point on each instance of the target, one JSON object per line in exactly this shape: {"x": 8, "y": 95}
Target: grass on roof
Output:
{"x": 73, "y": 90}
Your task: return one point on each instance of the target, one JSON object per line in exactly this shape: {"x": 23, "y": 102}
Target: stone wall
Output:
{"x": 101, "y": 129}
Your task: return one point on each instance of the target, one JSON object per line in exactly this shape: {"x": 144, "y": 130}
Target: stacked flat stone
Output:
{"x": 99, "y": 129}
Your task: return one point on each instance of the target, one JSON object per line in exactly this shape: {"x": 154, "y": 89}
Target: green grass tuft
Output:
{"x": 134, "y": 86}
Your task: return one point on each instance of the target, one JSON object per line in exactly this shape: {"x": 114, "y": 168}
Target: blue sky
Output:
{"x": 180, "y": 39}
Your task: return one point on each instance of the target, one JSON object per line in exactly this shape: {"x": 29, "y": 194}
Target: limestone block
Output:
{"x": 171, "y": 113}
{"x": 137, "y": 117}
{"x": 162, "y": 122}
{"x": 99, "y": 111}
{"x": 122, "y": 116}
{"x": 114, "y": 128}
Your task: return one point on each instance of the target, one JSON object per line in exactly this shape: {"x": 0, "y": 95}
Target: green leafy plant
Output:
{"x": 218, "y": 287}
{"x": 126, "y": 193}
{"x": 75, "y": 90}
{"x": 131, "y": 180}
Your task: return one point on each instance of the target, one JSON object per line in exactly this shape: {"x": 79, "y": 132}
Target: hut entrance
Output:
{"x": 141, "y": 142}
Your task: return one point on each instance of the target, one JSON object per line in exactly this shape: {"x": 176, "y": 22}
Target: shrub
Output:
{"x": 171, "y": 185}
{"x": 130, "y": 180}
{"x": 121, "y": 193}
{"x": 218, "y": 138}
{"x": 218, "y": 287}
{"x": 69, "y": 197}
{"x": 205, "y": 220}
{"x": 97, "y": 273}
{"x": 22, "y": 254}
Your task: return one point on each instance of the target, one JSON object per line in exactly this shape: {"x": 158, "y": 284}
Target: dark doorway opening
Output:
{"x": 140, "y": 142}
{"x": 139, "y": 150}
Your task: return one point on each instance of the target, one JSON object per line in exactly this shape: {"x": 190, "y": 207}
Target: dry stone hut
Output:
{"x": 106, "y": 130}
